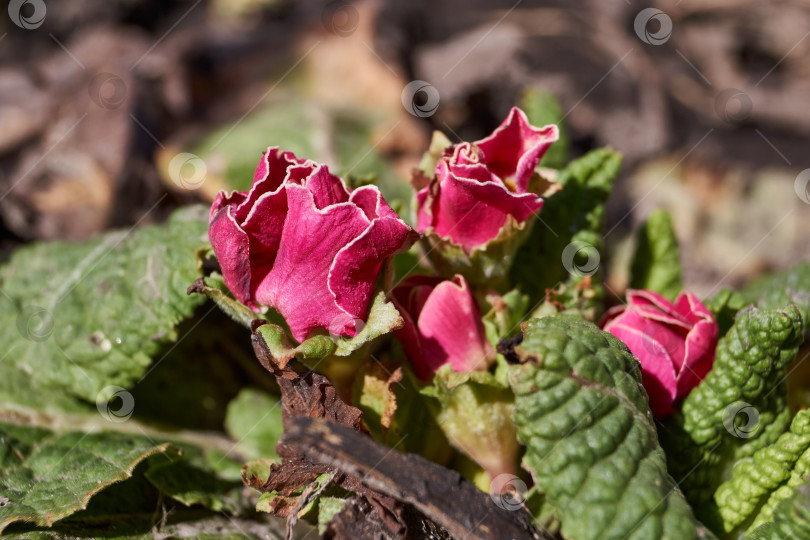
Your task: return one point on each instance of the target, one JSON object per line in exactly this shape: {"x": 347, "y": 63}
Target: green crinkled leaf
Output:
{"x": 725, "y": 305}
{"x": 789, "y": 287}
{"x": 791, "y": 518}
{"x": 656, "y": 265}
{"x": 253, "y": 420}
{"x": 798, "y": 476}
{"x": 728, "y": 409}
{"x": 755, "y": 482}
{"x": 125, "y": 509}
{"x": 575, "y": 214}
{"x": 77, "y": 318}
{"x": 135, "y": 509}
{"x": 542, "y": 108}
{"x": 79, "y": 480}
{"x": 46, "y": 476}
{"x": 591, "y": 443}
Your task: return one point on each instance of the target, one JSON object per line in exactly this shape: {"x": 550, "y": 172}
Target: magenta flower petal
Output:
{"x": 232, "y": 246}
{"x": 443, "y": 326}
{"x": 471, "y": 211}
{"x": 659, "y": 378}
{"x": 309, "y": 244}
{"x": 409, "y": 298}
{"x": 223, "y": 200}
{"x": 356, "y": 265}
{"x": 477, "y": 185}
{"x": 516, "y": 147}
{"x": 301, "y": 243}
{"x": 270, "y": 174}
{"x": 675, "y": 343}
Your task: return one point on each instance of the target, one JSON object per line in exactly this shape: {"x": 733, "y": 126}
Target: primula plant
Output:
{"x": 442, "y": 367}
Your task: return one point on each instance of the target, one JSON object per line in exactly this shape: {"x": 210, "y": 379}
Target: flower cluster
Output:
{"x": 304, "y": 244}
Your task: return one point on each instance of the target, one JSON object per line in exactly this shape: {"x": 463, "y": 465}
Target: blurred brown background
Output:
{"x": 115, "y": 112}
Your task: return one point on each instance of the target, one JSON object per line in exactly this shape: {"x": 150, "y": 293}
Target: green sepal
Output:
{"x": 474, "y": 410}
{"x": 577, "y": 296}
{"x": 484, "y": 266}
{"x": 505, "y": 315}
{"x": 214, "y": 288}
{"x": 383, "y": 318}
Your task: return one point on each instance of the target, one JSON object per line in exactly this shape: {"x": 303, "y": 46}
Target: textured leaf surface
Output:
{"x": 790, "y": 286}
{"x": 76, "y": 318}
{"x": 791, "y": 519}
{"x": 758, "y": 480}
{"x": 656, "y": 265}
{"x": 46, "y": 476}
{"x": 729, "y": 408}
{"x": 590, "y": 438}
{"x": 576, "y": 213}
